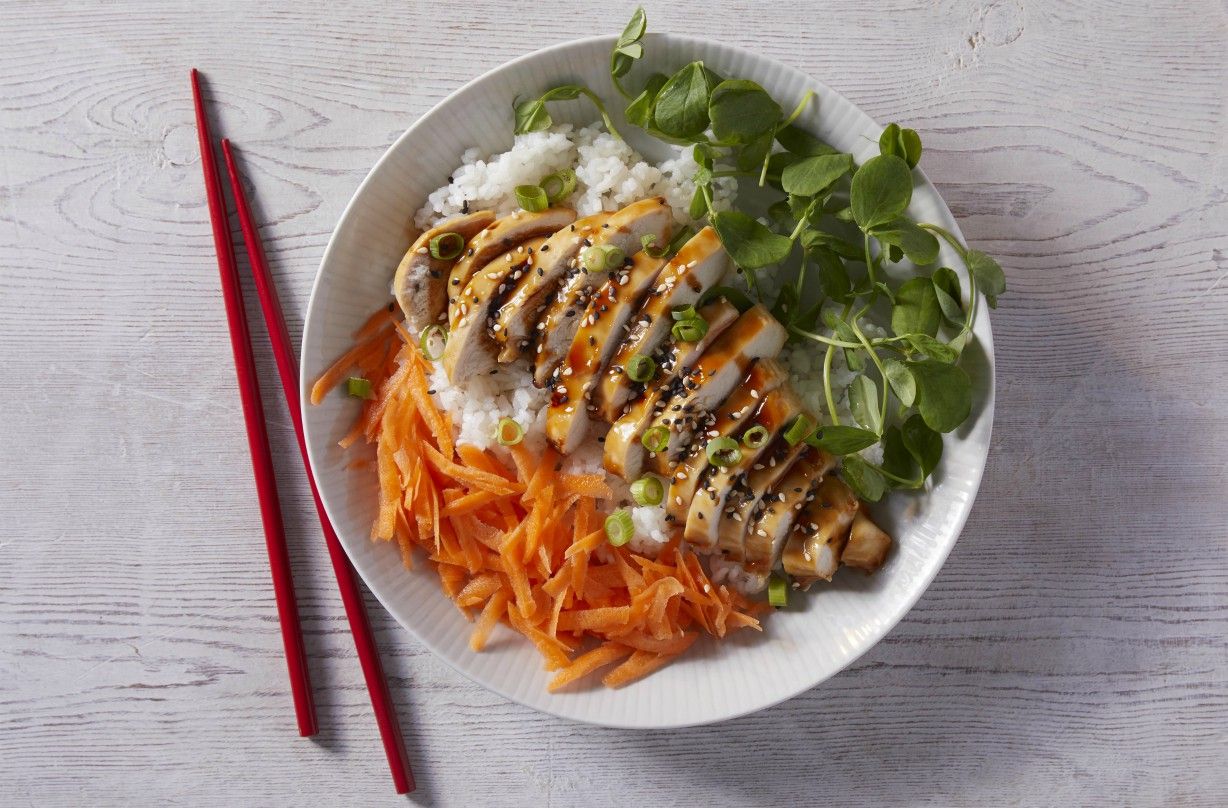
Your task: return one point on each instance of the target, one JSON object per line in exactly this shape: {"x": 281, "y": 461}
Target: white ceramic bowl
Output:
{"x": 821, "y": 632}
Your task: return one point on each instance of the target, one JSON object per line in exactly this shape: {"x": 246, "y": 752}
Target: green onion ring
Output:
{"x": 756, "y": 437}
{"x": 358, "y": 387}
{"x": 559, "y": 185}
{"x": 655, "y": 439}
{"x": 427, "y": 337}
{"x": 619, "y": 528}
{"x": 648, "y": 490}
{"x": 447, "y": 246}
{"x": 532, "y": 198}
{"x": 799, "y": 430}
{"x": 723, "y": 452}
{"x": 641, "y": 368}
{"x": 691, "y": 330}
{"x": 509, "y": 432}
{"x": 602, "y": 258}
{"x": 778, "y": 592}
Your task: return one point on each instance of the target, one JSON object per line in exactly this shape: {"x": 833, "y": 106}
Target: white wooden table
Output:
{"x": 1073, "y": 649}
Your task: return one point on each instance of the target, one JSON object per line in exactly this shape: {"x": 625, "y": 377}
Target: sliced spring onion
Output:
{"x": 447, "y": 246}
{"x": 641, "y": 368}
{"x": 559, "y": 185}
{"x": 358, "y": 387}
{"x": 602, "y": 258}
{"x": 432, "y": 341}
{"x": 655, "y": 439}
{"x": 683, "y": 313}
{"x": 799, "y": 430}
{"x": 619, "y": 528}
{"x": 756, "y": 437}
{"x": 648, "y": 490}
{"x": 778, "y": 592}
{"x": 532, "y": 198}
{"x": 723, "y": 452}
{"x": 692, "y": 330}
{"x": 509, "y": 432}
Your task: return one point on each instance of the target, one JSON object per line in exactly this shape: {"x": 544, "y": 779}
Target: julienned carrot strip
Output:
{"x": 588, "y": 485}
{"x": 421, "y": 397}
{"x": 390, "y": 492}
{"x": 544, "y": 473}
{"x": 470, "y": 502}
{"x": 587, "y": 544}
{"x": 537, "y": 522}
{"x": 551, "y": 648}
{"x": 491, "y": 615}
{"x": 473, "y": 477}
{"x": 338, "y": 369}
{"x": 479, "y": 459}
{"x": 587, "y": 663}
{"x": 643, "y": 663}
{"x": 524, "y": 462}
{"x": 552, "y": 628}
{"x": 377, "y": 322}
{"x": 479, "y": 589}
{"x": 671, "y": 645}
{"x": 595, "y": 619}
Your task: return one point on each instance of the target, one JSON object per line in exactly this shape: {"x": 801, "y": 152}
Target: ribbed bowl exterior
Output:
{"x": 821, "y": 632}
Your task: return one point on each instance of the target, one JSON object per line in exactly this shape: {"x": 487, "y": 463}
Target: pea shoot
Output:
{"x": 844, "y": 226}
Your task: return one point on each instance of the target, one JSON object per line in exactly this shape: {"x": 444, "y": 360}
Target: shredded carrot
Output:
{"x": 517, "y": 541}
{"x": 587, "y": 485}
{"x": 641, "y": 664}
{"x": 338, "y": 370}
{"x": 595, "y": 619}
{"x": 587, "y": 663}
{"x": 643, "y": 642}
{"x": 377, "y": 321}
{"x": 491, "y": 615}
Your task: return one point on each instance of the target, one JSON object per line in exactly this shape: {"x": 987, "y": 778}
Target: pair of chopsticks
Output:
{"x": 262, "y": 461}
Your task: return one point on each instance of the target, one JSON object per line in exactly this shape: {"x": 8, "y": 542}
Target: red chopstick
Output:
{"x": 351, "y": 595}
{"x": 257, "y": 436}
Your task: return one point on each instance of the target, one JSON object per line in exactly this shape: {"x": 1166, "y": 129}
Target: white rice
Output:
{"x": 610, "y": 175}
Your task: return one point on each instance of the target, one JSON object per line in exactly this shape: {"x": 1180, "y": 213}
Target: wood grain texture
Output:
{"x": 1073, "y": 649}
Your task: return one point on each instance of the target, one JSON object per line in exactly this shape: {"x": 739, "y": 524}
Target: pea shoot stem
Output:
{"x": 898, "y": 479}
{"x": 882, "y": 372}
{"x": 962, "y": 251}
{"x": 834, "y": 343}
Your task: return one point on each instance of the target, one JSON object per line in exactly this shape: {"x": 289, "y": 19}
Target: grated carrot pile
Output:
{"x": 522, "y": 543}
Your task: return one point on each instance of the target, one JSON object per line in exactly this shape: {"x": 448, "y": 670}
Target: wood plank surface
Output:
{"x": 1072, "y": 651}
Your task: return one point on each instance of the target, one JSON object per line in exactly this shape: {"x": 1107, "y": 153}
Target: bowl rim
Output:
{"x": 881, "y": 628}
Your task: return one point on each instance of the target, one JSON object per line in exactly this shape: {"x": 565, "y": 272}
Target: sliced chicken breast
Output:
{"x": 595, "y": 341}
{"x": 820, "y": 532}
{"x": 421, "y": 281}
{"x": 867, "y": 546}
{"x": 774, "y": 414}
{"x": 500, "y": 236}
{"x": 766, "y": 535}
{"x": 517, "y": 318}
{"x": 624, "y": 453}
{"x": 686, "y": 477}
{"x": 470, "y": 350}
{"x": 743, "y": 503}
{"x": 700, "y": 263}
{"x": 624, "y": 230}
{"x": 755, "y": 335}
